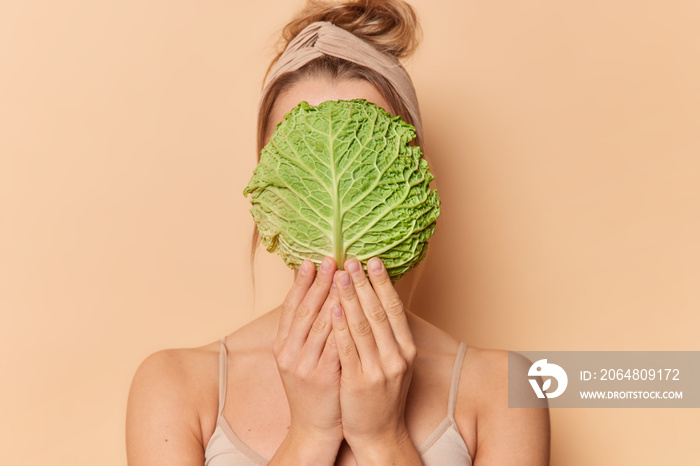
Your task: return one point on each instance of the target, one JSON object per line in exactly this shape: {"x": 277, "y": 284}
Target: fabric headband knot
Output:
{"x": 325, "y": 38}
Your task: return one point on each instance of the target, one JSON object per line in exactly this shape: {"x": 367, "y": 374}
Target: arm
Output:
{"x": 308, "y": 364}
{"x": 398, "y": 452}
{"x": 376, "y": 351}
{"x": 162, "y": 424}
{"x": 505, "y": 436}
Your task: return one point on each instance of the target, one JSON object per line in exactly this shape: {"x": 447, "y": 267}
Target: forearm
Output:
{"x": 400, "y": 452}
{"x": 302, "y": 450}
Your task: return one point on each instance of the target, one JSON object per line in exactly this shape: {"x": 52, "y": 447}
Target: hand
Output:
{"x": 376, "y": 352}
{"x": 308, "y": 364}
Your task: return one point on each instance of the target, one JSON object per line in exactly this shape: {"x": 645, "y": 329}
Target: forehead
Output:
{"x": 315, "y": 91}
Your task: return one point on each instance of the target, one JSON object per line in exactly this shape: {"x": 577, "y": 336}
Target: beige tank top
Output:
{"x": 444, "y": 446}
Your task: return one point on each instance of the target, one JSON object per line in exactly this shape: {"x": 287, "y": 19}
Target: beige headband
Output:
{"x": 324, "y": 38}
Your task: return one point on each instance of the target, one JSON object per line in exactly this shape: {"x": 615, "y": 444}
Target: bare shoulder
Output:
{"x": 504, "y": 436}
{"x": 169, "y": 391}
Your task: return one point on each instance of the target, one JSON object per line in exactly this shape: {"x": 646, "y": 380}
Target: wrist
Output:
{"x": 301, "y": 448}
{"x": 397, "y": 449}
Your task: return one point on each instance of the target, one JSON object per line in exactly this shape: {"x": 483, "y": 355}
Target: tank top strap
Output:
{"x": 222, "y": 375}
{"x": 454, "y": 383}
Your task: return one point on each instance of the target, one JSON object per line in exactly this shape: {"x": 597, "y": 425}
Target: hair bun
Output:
{"x": 390, "y": 25}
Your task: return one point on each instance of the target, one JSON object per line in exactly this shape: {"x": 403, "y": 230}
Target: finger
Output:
{"x": 372, "y": 308}
{"x": 359, "y": 327}
{"x": 347, "y": 351}
{"x": 391, "y": 302}
{"x": 310, "y": 305}
{"x": 329, "y": 359}
{"x": 303, "y": 281}
{"x": 320, "y": 330}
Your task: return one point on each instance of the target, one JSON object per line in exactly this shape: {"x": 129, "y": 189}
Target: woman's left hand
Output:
{"x": 376, "y": 351}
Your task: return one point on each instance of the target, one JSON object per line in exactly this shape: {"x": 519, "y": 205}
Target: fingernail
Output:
{"x": 337, "y": 311}
{"x": 305, "y": 268}
{"x": 375, "y": 265}
{"x": 344, "y": 279}
{"x": 326, "y": 265}
{"x": 352, "y": 266}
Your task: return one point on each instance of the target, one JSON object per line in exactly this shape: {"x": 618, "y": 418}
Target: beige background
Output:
{"x": 564, "y": 137}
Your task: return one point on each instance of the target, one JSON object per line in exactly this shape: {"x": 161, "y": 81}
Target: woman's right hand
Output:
{"x": 309, "y": 366}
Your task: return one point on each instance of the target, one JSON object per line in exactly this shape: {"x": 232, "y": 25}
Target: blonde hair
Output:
{"x": 391, "y": 26}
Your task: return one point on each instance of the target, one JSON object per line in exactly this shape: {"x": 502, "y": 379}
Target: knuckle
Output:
{"x": 284, "y": 362}
{"x": 303, "y": 281}
{"x": 323, "y": 279}
{"x": 360, "y": 283}
{"x": 319, "y": 326}
{"x": 347, "y": 293}
{"x": 410, "y": 353}
{"x": 333, "y": 294}
{"x": 377, "y": 314}
{"x": 287, "y": 308}
{"x": 395, "y": 307}
{"x": 396, "y": 367}
{"x": 340, "y": 327}
{"x": 303, "y": 310}
{"x": 375, "y": 377}
{"x": 331, "y": 299}
{"x": 382, "y": 279}
{"x": 362, "y": 328}
{"x": 303, "y": 372}
{"x": 346, "y": 349}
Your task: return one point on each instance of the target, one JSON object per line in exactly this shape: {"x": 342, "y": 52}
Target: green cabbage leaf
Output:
{"x": 341, "y": 179}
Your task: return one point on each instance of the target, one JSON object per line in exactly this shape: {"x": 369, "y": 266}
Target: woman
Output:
{"x": 340, "y": 373}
